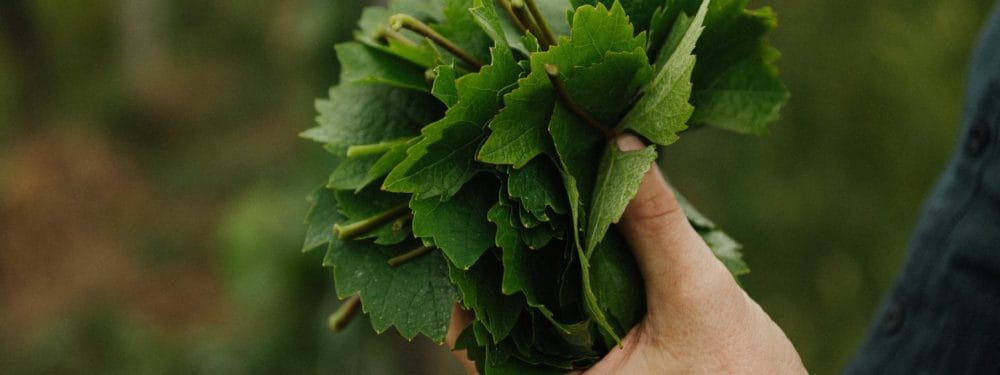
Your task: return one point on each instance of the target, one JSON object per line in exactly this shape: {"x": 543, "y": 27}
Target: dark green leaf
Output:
{"x": 464, "y": 30}
{"x": 639, "y": 11}
{"x": 617, "y": 283}
{"x": 366, "y": 203}
{"x": 352, "y": 173}
{"x": 537, "y": 188}
{"x": 481, "y": 292}
{"x": 736, "y": 85}
{"x": 415, "y": 297}
{"x": 363, "y": 64}
{"x": 320, "y": 219}
{"x": 458, "y": 226}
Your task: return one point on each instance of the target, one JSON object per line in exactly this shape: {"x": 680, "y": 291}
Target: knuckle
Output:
{"x": 654, "y": 211}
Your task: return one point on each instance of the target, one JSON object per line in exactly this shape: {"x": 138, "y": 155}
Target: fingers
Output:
{"x": 459, "y": 320}
{"x": 667, "y": 248}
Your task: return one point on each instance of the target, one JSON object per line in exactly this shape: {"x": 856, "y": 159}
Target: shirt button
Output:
{"x": 979, "y": 139}
{"x": 893, "y": 319}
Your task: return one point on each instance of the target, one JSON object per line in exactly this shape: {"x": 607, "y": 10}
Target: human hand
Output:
{"x": 698, "y": 320}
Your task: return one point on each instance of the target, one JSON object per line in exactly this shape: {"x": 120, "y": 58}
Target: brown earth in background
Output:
{"x": 72, "y": 207}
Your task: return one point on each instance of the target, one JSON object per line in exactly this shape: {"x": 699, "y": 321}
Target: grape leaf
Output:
{"x": 590, "y": 303}
{"x": 363, "y": 114}
{"x": 519, "y": 131}
{"x": 496, "y": 162}
{"x": 416, "y": 297}
{"x": 320, "y": 219}
{"x": 363, "y": 64}
{"x": 459, "y": 225}
{"x": 618, "y": 179}
{"x": 606, "y": 89}
{"x": 639, "y": 11}
{"x": 727, "y": 250}
{"x": 463, "y": 29}
{"x": 414, "y": 49}
{"x": 617, "y": 283}
{"x": 481, "y": 292}
{"x": 525, "y": 271}
{"x": 664, "y": 109}
{"x": 390, "y": 160}
{"x": 444, "y": 159}
{"x": 444, "y": 85}
{"x": 579, "y": 150}
{"x": 366, "y": 203}
{"x": 352, "y": 173}
{"x": 736, "y": 85}
{"x": 596, "y": 30}
{"x": 537, "y": 188}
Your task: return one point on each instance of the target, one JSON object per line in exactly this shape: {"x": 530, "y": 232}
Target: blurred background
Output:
{"x": 152, "y": 183}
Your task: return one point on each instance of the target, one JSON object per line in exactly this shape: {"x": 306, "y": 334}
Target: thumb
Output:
{"x": 669, "y": 251}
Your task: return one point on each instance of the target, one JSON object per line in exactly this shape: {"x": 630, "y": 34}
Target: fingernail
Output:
{"x": 629, "y": 142}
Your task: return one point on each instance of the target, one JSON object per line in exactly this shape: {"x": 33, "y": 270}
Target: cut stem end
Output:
{"x": 344, "y": 314}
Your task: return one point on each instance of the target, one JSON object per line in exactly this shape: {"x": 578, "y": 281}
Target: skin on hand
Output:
{"x": 698, "y": 320}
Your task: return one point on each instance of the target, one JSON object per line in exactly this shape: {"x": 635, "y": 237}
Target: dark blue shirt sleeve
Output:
{"x": 942, "y": 316}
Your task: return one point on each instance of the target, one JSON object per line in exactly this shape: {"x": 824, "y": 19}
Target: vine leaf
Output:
{"x": 519, "y": 131}
{"x": 618, "y": 179}
{"x": 320, "y": 219}
{"x": 444, "y": 159}
{"x": 366, "y": 203}
{"x": 363, "y": 64}
{"x": 458, "y": 226}
{"x": 537, "y": 188}
{"x": 356, "y": 114}
{"x": 415, "y": 297}
{"x": 664, "y": 109}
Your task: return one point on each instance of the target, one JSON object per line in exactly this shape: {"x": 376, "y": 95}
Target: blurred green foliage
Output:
{"x": 196, "y": 105}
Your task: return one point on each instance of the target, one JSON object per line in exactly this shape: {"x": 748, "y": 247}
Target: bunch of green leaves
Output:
{"x": 476, "y": 161}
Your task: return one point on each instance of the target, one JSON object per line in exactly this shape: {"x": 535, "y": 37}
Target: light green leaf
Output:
{"x": 519, "y": 131}
{"x": 444, "y": 85}
{"x": 444, "y": 159}
{"x": 618, "y": 179}
{"x": 415, "y": 49}
{"x": 664, "y": 109}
